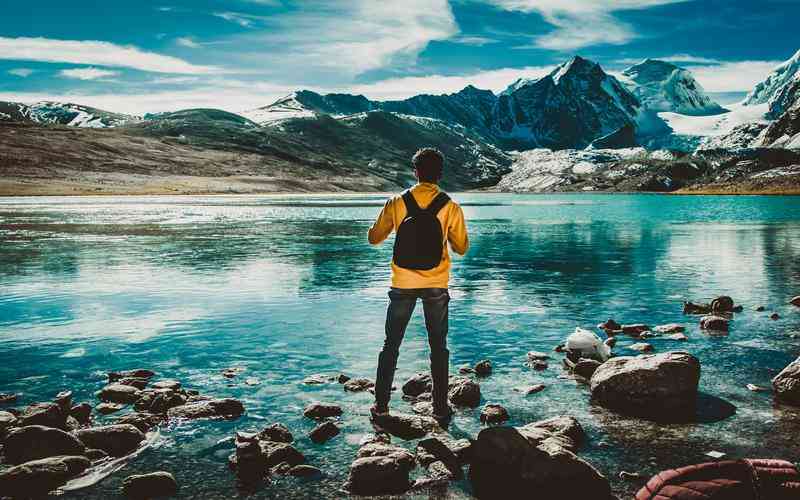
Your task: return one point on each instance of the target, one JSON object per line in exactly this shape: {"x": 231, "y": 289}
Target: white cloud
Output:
{"x": 344, "y": 38}
{"x": 187, "y": 42}
{"x": 581, "y": 23}
{"x": 685, "y": 59}
{"x": 87, "y": 73}
{"x": 94, "y": 52}
{"x": 732, "y": 76}
{"x": 21, "y": 72}
{"x": 243, "y": 20}
{"x": 477, "y": 41}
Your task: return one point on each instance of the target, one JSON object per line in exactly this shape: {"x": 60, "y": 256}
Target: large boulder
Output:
{"x": 276, "y": 453}
{"x": 787, "y": 384}
{"x": 117, "y": 440}
{"x": 248, "y": 461}
{"x": 36, "y": 478}
{"x": 276, "y": 432}
{"x": 227, "y": 408}
{"x": 159, "y": 400}
{"x": 324, "y": 431}
{"x": 145, "y": 422}
{"x": 153, "y": 485}
{"x": 714, "y": 323}
{"x": 35, "y": 441}
{"x": 380, "y": 470}
{"x": 647, "y": 384}
{"x": 137, "y": 373}
{"x": 118, "y": 393}
{"x": 464, "y": 392}
{"x": 529, "y": 462}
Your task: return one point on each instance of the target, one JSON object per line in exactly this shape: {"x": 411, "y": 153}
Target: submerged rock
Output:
{"x": 323, "y": 432}
{"x": 407, "y": 426}
{"x": 318, "y": 411}
{"x": 510, "y": 462}
{"x": 138, "y": 373}
{"x": 787, "y": 384}
{"x": 117, "y": 440}
{"x": 118, "y": 393}
{"x": 483, "y": 368}
{"x": 494, "y": 414}
{"x": 317, "y": 379}
{"x": 276, "y": 432}
{"x": 717, "y": 323}
{"x": 669, "y": 328}
{"x": 774, "y": 316}
{"x": 418, "y": 384}
{"x": 233, "y": 371}
{"x": 464, "y": 392}
{"x": 227, "y": 408}
{"x": 33, "y": 442}
{"x": 153, "y": 485}
{"x": 648, "y": 383}
{"x": 358, "y": 385}
{"x": 36, "y": 478}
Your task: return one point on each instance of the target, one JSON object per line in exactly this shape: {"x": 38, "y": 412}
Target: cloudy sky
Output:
{"x": 141, "y": 56}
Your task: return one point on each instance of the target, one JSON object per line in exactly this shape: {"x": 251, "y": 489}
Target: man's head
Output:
{"x": 428, "y": 164}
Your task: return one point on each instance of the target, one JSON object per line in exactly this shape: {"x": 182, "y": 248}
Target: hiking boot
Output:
{"x": 378, "y": 411}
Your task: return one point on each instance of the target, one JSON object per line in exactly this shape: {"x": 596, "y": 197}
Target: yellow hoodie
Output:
{"x": 454, "y": 230}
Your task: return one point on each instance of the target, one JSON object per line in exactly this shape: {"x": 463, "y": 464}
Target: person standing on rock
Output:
{"x": 424, "y": 219}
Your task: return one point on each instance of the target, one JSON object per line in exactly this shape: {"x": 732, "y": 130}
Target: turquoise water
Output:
{"x": 288, "y": 286}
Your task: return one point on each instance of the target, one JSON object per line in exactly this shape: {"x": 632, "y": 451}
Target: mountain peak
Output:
{"x": 780, "y": 77}
{"x": 575, "y": 67}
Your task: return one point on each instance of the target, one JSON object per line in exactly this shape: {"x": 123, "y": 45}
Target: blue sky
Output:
{"x": 142, "y": 56}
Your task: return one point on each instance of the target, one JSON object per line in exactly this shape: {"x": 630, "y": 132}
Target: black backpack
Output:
{"x": 419, "y": 243}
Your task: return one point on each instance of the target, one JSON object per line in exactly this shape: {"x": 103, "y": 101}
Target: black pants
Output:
{"x": 401, "y": 304}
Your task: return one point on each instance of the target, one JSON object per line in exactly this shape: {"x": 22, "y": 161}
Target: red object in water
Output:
{"x": 750, "y": 479}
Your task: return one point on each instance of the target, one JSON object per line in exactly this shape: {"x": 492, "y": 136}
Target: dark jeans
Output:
{"x": 402, "y": 302}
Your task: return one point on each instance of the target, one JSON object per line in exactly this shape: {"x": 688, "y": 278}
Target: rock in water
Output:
{"x": 145, "y": 422}
{"x": 358, "y": 385}
{"x": 36, "y": 478}
{"x": 787, "y": 384}
{"x": 319, "y": 411}
{"x": 483, "y": 368}
{"x": 669, "y": 328}
{"x": 305, "y": 471}
{"x": 118, "y": 393}
{"x": 692, "y": 308}
{"x": 82, "y": 413}
{"x": 159, "y": 400}
{"x": 418, "y": 384}
{"x": 380, "y": 470}
{"x": 46, "y": 414}
{"x": 585, "y": 344}
{"x": 464, "y": 392}
{"x": 494, "y": 414}
{"x": 276, "y": 453}
{"x": 722, "y": 304}
{"x": 717, "y": 323}
{"x": 7, "y": 421}
{"x": 6, "y": 399}
{"x": 108, "y": 408}
{"x": 585, "y": 368}
{"x": 323, "y": 432}
{"x": 530, "y": 462}
{"x": 117, "y": 440}
{"x": 276, "y": 432}
{"x": 33, "y": 442}
{"x": 227, "y": 408}
{"x": 610, "y": 326}
{"x": 795, "y": 301}
{"x": 248, "y": 461}
{"x": 139, "y": 373}
{"x": 647, "y": 384}
{"x": 407, "y": 426}
{"x": 641, "y": 347}
{"x": 153, "y": 485}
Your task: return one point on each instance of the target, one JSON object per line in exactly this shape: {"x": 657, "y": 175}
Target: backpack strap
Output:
{"x": 438, "y": 203}
{"x": 411, "y": 204}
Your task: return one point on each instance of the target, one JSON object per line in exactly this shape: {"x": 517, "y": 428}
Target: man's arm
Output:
{"x": 457, "y": 232}
{"x": 383, "y": 226}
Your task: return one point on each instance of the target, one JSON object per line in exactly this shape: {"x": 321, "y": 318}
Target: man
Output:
{"x": 425, "y": 219}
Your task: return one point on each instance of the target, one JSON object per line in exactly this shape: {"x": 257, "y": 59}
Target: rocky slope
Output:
{"x": 766, "y": 91}
{"x": 207, "y": 151}
{"x": 74, "y": 115}
{"x": 663, "y": 86}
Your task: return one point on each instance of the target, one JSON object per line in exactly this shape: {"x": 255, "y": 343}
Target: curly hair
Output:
{"x": 429, "y": 164}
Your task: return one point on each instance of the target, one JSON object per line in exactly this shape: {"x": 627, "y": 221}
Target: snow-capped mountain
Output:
{"x": 73, "y": 115}
{"x": 572, "y": 106}
{"x": 766, "y": 90}
{"x": 575, "y": 104}
{"x": 663, "y": 86}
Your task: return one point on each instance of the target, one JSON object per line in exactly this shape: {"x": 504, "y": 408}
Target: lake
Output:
{"x": 287, "y": 286}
